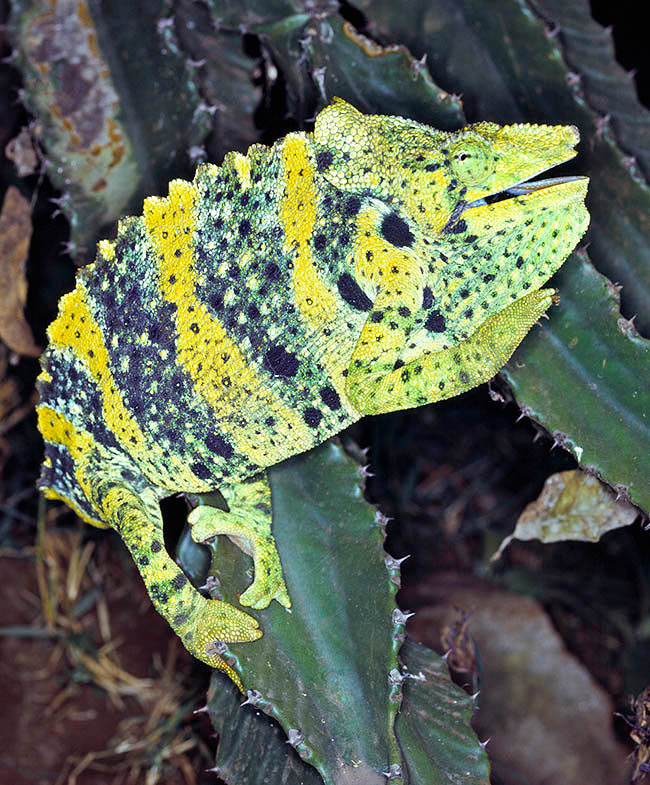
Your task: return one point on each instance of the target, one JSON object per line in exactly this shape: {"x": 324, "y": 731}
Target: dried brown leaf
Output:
{"x": 573, "y": 505}
{"x": 15, "y": 235}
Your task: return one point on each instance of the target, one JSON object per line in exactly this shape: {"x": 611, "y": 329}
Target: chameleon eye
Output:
{"x": 472, "y": 161}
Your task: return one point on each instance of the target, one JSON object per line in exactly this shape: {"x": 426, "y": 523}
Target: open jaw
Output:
{"x": 524, "y": 188}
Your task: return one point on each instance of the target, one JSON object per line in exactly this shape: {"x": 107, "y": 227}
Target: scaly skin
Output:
{"x": 262, "y": 308}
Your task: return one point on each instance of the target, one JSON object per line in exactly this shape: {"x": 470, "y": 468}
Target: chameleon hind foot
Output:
{"x": 248, "y": 525}
{"x": 202, "y": 624}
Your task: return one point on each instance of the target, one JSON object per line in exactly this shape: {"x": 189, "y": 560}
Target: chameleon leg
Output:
{"x": 443, "y": 374}
{"x": 199, "y": 622}
{"x": 248, "y": 524}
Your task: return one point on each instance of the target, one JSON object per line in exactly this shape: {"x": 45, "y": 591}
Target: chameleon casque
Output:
{"x": 375, "y": 264}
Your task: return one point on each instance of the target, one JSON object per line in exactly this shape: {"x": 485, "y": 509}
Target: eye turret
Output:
{"x": 472, "y": 161}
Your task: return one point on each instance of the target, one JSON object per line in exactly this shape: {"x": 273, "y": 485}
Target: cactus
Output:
{"x": 335, "y": 656}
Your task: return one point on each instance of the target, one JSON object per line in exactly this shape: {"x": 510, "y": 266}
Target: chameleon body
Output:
{"x": 372, "y": 265}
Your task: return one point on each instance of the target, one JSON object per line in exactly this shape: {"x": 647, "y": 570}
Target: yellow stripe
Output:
{"x": 219, "y": 371}
{"x": 56, "y": 429}
{"x": 297, "y": 217}
{"x": 76, "y": 329}
{"x": 243, "y": 168}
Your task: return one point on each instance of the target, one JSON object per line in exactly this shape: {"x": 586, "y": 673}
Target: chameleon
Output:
{"x": 371, "y": 265}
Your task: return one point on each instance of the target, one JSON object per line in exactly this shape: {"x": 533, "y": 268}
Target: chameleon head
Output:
{"x": 467, "y": 197}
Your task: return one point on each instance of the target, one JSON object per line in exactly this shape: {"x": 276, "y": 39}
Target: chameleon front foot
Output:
{"x": 208, "y": 522}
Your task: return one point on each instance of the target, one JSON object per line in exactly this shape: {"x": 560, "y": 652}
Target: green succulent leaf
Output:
{"x": 588, "y": 49}
{"x": 328, "y": 671}
{"x": 116, "y": 103}
{"x": 584, "y": 376}
{"x": 439, "y": 747}
{"x": 306, "y": 671}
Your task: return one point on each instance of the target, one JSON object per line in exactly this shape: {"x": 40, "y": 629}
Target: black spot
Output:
{"x": 201, "y": 470}
{"x": 143, "y": 561}
{"x": 395, "y": 231}
{"x": 312, "y": 417}
{"x": 464, "y": 293}
{"x": 435, "y": 322}
{"x": 520, "y": 262}
{"x": 216, "y": 302}
{"x": 352, "y": 206}
{"x": 244, "y": 227}
{"x": 172, "y": 279}
{"x": 404, "y": 312}
{"x": 431, "y": 167}
{"x": 427, "y": 298}
{"x": 376, "y": 316}
{"x": 459, "y": 227}
{"x": 156, "y": 546}
{"x": 469, "y": 313}
{"x": 319, "y": 242}
{"x": 194, "y": 327}
{"x": 253, "y": 312}
{"x": 218, "y": 446}
{"x": 281, "y": 362}
{"x": 178, "y": 253}
{"x": 398, "y": 364}
{"x": 487, "y": 278}
{"x": 330, "y": 398}
{"x": 352, "y": 293}
{"x": 179, "y": 581}
{"x": 471, "y": 238}
{"x": 272, "y": 272}
{"x": 324, "y": 160}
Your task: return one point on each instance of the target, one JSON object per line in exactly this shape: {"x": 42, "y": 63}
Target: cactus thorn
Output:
{"x": 474, "y": 697}
{"x": 381, "y": 519}
{"x": 10, "y": 58}
{"x": 573, "y": 79}
{"x": 631, "y": 74}
{"x": 483, "y": 744}
{"x": 196, "y": 63}
{"x": 253, "y": 697}
{"x": 165, "y": 23}
{"x": 197, "y": 151}
{"x": 295, "y": 737}
{"x": 521, "y": 416}
{"x": 365, "y": 472}
{"x": 602, "y": 123}
{"x": 394, "y": 772}
{"x": 395, "y": 677}
{"x": 445, "y": 656}
{"x": 400, "y": 617}
{"x": 201, "y": 710}
{"x": 214, "y": 770}
{"x": 419, "y": 65}
{"x": 392, "y": 563}
{"x": 552, "y": 32}
{"x": 69, "y": 247}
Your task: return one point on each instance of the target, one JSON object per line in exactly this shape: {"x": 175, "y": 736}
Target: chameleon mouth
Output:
{"x": 524, "y": 188}
{"x": 553, "y": 192}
